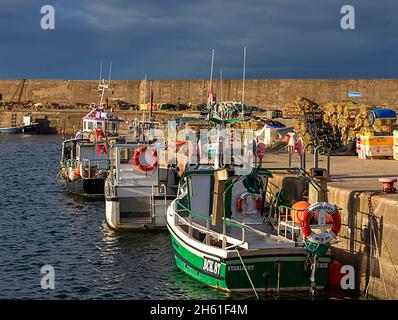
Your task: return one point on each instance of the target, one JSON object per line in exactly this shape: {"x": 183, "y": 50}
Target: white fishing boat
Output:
{"x": 139, "y": 187}
{"x": 85, "y": 158}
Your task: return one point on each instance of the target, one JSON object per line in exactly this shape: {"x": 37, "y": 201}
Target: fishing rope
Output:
{"x": 247, "y": 273}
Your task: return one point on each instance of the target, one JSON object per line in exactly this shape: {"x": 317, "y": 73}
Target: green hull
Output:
{"x": 229, "y": 274}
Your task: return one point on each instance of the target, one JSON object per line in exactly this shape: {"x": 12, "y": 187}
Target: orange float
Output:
{"x": 298, "y": 209}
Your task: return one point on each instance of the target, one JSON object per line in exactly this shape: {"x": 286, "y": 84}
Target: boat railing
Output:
{"x": 227, "y": 241}
{"x": 289, "y": 229}
{"x": 162, "y": 192}
{"x": 89, "y": 168}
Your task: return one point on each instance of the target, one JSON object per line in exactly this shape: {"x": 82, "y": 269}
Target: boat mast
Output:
{"x": 145, "y": 81}
{"x": 210, "y": 92}
{"x": 100, "y": 76}
{"x": 221, "y": 97}
{"x": 104, "y": 86}
{"x": 243, "y": 81}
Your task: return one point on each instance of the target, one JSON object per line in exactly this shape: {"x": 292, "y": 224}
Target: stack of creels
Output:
{"x": 314, "y": 130}
{"x": 297, "y": 108}
{"x": 348, "y": 117}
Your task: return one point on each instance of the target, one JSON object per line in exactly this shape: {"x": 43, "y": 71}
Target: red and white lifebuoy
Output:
{"x": 322, "y": 208}
{"x": 242, "y": 203}
{"x": 145, "y": 167}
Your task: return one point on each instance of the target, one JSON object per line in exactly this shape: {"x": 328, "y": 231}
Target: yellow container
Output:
{"x": 387, "y": 141}
{"x": 395, "y": 134}
{"x": 369, "y": 133}
{"x": 395, "y": 153}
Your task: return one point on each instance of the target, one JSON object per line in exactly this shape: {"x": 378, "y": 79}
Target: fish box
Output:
{"x": 372, "y": 141}
{"x": 377, "y": 151}
{"x": 395, "y": 135}
{"x": 395, "y": 153}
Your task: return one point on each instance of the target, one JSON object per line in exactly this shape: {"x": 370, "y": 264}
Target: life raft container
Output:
{"x": 310, "y": 212}
{"x": 243, "y": 206}
{"x": 145, "y": 167}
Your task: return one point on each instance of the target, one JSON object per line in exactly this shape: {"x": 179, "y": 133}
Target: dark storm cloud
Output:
{"x": 173, "y": 39}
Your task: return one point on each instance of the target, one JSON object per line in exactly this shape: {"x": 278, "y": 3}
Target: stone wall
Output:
{"x": 377, "y": 271}
{"x": 272, "y": 93}
{"x": 70, "y": 121}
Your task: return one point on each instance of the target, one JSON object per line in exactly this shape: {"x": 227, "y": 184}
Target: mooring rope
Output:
{"x": 247, "y": 273}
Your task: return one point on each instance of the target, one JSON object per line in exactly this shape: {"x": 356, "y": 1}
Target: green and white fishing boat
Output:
{"x": 226, "y": 233}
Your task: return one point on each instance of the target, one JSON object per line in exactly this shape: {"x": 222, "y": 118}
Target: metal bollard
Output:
{"x": 316, "y": 158}
{"x": 303, "y": 156}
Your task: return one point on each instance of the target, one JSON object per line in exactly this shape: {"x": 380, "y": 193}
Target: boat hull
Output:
{"x": 87, "y": 187}
{"x": 33, "y": 128}
{"x": 27, "y": 129}
{"x": 11, "y": 130}
{"x": 228, "y": 274}
{"x": 118, "y": 217}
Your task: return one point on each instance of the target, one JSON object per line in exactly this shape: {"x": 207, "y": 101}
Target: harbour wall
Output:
{"x": 376, "y": 272}
{"x": 265, "y": 93}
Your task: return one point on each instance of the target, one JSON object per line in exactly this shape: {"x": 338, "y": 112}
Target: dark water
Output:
{"x": 41, "y": 224}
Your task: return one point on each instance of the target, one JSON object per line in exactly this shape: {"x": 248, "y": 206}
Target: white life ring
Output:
{"x": 322, "y": 208}
{"x": 249, "y": 204}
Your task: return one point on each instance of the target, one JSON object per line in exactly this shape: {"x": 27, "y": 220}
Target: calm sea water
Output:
{"x": 42, "y": 225}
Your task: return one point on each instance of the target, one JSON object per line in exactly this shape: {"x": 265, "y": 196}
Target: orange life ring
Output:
{"x": 324, "y": 237}
{"x": 144, "y": 167}
{"x": 242, "y": 197}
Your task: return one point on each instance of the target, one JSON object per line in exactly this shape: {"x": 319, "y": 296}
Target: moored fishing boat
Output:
{"x": 240, "y": 252}
{"x": 28, "y": 127}
{"x": 227, "y": 235}
{"x": 139, "y": 187}
{"x": 11, "y": 130}
{"x": 85, "y": 159}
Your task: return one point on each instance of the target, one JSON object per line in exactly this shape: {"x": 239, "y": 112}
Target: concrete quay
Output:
{"x": 353, "y": 181}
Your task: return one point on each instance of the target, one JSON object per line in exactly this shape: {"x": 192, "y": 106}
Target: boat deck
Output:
{"x": 257, "y": 236}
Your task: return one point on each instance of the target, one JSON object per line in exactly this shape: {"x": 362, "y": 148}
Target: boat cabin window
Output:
{"x": 89, "y": 154}
{"x": 69, "y": 152}
{"x": 125, "y": 155}
{"x": 200, "y": 193}
{"x": 99, "y": 124}
{"x": 90, "y": 125}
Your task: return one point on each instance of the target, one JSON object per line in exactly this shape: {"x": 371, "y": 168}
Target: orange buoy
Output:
{"x": 298, "y": 210}
{"x": 286, "y": 138}
{"x": 77, "y": 171}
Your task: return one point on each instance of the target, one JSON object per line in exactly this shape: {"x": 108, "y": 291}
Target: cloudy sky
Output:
{"x": 172, "y": 39}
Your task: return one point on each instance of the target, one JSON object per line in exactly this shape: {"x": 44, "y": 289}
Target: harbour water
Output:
{"x": 42, "y": 225}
